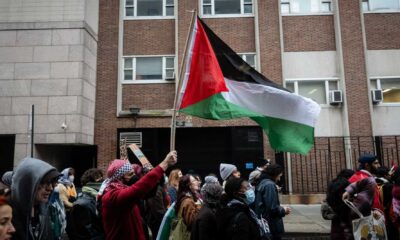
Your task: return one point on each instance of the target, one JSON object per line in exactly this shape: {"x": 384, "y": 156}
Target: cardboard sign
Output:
{"x": 139, "y": 154}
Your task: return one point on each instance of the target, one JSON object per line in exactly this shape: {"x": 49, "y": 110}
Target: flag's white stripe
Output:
{"x": 188, "y": 63}
{"x": 273, "y": 102}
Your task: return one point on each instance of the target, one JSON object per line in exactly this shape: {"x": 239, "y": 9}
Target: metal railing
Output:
{"x": 312, "y": 173}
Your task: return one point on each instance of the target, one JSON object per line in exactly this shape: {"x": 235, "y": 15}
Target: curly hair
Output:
{"x": 91, "y": 175}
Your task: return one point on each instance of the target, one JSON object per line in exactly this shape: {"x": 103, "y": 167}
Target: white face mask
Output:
{"x": 71, "y": 178}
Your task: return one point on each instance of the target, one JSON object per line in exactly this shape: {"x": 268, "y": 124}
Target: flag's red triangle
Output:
{"x": 205, "y": 76}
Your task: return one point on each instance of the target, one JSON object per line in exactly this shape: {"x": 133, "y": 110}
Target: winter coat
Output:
{"x": 362, "y": 174}
{"x": 172, "y": 192}
{"x": 365, "y": 190}
{"x": 267, "y": 205}
{"x": 236, "y": 223}
{"x": 120, "y": 212}
{"x": 85, "y": 220}
{"x": 188, "y": 210}
{"x": 156, "y": 207}
{"x": 204, "y": 226}
{"x": 26, "y": 180}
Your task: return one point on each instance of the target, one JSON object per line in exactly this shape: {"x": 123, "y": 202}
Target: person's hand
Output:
{"x": 170, "y": 160}
{"x": 376, "y": 214}
{"x": 288, "y": 210}
{"x": 345, "y": 196}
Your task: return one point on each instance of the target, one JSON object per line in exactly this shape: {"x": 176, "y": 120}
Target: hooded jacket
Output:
{"x": 25, "y": 183}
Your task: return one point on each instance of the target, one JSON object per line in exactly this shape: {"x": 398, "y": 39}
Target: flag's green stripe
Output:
{"x": 287, "y": 136}
{"x": 217, "y": 108}
{"x": 283, "y": 135}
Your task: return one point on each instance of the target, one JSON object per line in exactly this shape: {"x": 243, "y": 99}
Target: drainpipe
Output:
{"x": 340, "y": 62}
{"x": 288, "y": 156}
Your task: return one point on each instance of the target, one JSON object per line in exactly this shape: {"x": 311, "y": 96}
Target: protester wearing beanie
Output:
{"x": 205, "y": 225}
{"x": 120, "y": 211}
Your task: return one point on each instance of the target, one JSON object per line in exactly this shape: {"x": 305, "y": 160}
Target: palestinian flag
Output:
{"x": 218, "y": 84}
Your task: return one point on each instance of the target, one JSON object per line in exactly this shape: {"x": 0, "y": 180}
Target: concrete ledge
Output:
{"x": 302, "y": 198}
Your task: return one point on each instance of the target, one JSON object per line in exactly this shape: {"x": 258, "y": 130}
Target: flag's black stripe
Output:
{"x": 232, "y": 65}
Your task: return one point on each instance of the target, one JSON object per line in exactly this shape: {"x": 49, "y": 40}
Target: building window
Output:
{"x": 225, "y": 7}
{"x": 149, "y": 8}
{"x": 317, "y": 90}
{"x": 378, "y": 5}
{"x": 390, "y": 89}
{"x": 250, "y": 58}
{"x": 149, "y": 69}
{"x": 305, "y": 6}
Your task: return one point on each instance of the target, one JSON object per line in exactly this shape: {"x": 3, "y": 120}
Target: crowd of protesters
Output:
{"x": 134, "y": 202}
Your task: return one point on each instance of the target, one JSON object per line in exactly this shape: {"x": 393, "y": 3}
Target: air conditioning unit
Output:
{"x": 377, "y": 96}
{"x": 169, "y": 76}
{"x": 335, "y": 97}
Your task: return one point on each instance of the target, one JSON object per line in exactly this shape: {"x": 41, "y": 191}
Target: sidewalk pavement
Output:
{"x": 306, "y": 219}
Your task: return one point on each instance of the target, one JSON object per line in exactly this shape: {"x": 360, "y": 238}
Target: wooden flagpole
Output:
{"x": 177, "y": 92}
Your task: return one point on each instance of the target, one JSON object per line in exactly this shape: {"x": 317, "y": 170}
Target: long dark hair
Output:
{"x": 183, "y": 191}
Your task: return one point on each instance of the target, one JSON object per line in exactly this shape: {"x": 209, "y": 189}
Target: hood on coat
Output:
{"x": 25, "y": 182}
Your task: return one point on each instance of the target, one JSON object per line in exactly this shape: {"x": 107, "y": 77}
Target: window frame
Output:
{"x": 289, "y": 3}
{"x": 135, "y": 17}
{"x": 377, "y": 11}
{"x": 378, "y": 86}
{"x": 213, "y": 15}
{"x": 244, "y": 57}
{"x": 133, "y": 69}
{"x": 326, "y": 81}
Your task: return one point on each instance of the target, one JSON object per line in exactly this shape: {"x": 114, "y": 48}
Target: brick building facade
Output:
{"x": 312, "y": 49}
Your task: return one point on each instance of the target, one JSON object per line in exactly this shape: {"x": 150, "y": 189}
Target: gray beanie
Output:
{"x": 210, "y": 179}
{"x": 211, "y": 192}
{"x": 225, "y": 170}
{"x": 254, "y": 175}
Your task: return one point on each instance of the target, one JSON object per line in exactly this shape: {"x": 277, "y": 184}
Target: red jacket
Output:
{"x": 359, "y": 175}
{"x": 120, "y": 211}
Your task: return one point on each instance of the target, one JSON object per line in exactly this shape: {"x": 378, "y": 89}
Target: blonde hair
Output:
{"x": 173, "y": 178}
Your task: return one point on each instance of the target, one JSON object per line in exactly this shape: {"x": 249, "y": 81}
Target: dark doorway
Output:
{"x": 203, "y": 149}
{"x": 7, "y": 147}
{"x": 79, "y": 157}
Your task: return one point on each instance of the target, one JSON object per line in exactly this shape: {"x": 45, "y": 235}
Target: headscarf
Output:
{"x": 64, "y": 178}
{"x": 117, "y": 169}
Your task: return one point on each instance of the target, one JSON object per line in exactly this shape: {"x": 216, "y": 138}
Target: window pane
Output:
{"x": 206, "y": 1}
{"x": 250, "y": 60}
{"x": 314, "y": 90}
{"x": 129, "y": 11}
{"x": 207, "y": 10}
{"x": 386, "y": 4}
{"x": 248, "y": 8}
{"x": 128, "y": 75}
{"x": 285, "y": 8}
{"x": 365, "y": 6}
{"x": 128, "y": 63}
{"x": 290, "y": 86}
{"x": 333, "y": 85}
{"x": 148, "y": 68}
{"x": 248, "y": 1}
{"x": 391, "y": 90}
{"x": 149, "y": 7}
{"x": 325, "y": 7}
{"x": 169, "y": 62}
{"x": 373, "y": 84}
{"x": 129, "y": 2}
{"x": 170, "y": 2}
{"x": 227, "y": 6}
{"x": 305, "y": 6}
{"x": 170, "y": 11}
{"x": 169, "y": 74}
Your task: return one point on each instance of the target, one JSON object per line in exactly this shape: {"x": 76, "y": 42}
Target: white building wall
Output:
{"x": 48, "y": 52}
{"x": 385, "y": 63}
{"x": 316, "y": 65}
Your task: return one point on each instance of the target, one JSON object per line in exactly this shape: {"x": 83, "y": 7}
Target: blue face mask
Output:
{"x": 250, "y": 196}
